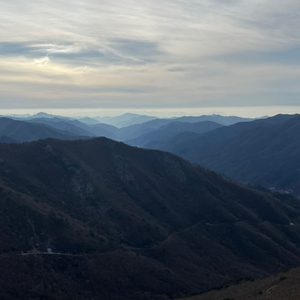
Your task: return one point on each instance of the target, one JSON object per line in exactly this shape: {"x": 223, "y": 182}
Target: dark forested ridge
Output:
{"x": 97, "y": 219}
{"x": 265, "y": 152}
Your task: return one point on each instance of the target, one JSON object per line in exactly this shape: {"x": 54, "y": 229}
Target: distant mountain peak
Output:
{"x": 42, "y": 115}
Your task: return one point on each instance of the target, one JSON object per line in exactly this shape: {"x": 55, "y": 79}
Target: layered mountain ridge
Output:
{"x": 13, "y": 131}
{"x": 261, "y": 152}
{"x": 130, "y": 126}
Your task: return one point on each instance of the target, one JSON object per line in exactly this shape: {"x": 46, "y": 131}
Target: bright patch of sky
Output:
{"x": 130, "y": 55}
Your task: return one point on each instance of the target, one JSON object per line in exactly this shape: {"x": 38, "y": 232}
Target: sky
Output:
{"x": 161, "y": 56}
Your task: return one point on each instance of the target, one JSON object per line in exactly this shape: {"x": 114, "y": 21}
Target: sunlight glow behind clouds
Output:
{"x": 147, "y": 54}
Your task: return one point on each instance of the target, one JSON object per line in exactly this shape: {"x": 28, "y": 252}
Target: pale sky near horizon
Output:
{"x": 178, "y": 57}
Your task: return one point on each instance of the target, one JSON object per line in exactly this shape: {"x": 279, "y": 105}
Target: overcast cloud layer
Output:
{"x": 149, "y": 54}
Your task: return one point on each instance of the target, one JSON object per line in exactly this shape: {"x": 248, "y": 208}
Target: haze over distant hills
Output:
{"x": 98, "y": 217}
{"x": 261, "y": 152}
{"x": 166, "y": 132}
{"x": 19, "y": 131}
{"x": 86, "y": 126}
{"x": 125, "y": 120}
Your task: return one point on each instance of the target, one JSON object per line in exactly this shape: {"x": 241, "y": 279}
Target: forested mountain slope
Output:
{"x": 282, "y": 286}
{"x": 97, "y": 219}
{"x": 265, "y": 152}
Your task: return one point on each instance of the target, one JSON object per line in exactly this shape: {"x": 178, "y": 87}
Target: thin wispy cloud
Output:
{"x": 150, "y": 53}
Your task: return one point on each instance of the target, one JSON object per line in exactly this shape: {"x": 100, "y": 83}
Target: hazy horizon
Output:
{"x": 245, "y": 112}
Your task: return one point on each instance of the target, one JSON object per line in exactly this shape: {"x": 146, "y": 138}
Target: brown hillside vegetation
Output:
{"x": 97, "y": 219}
{"x": 282, "y": 286}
